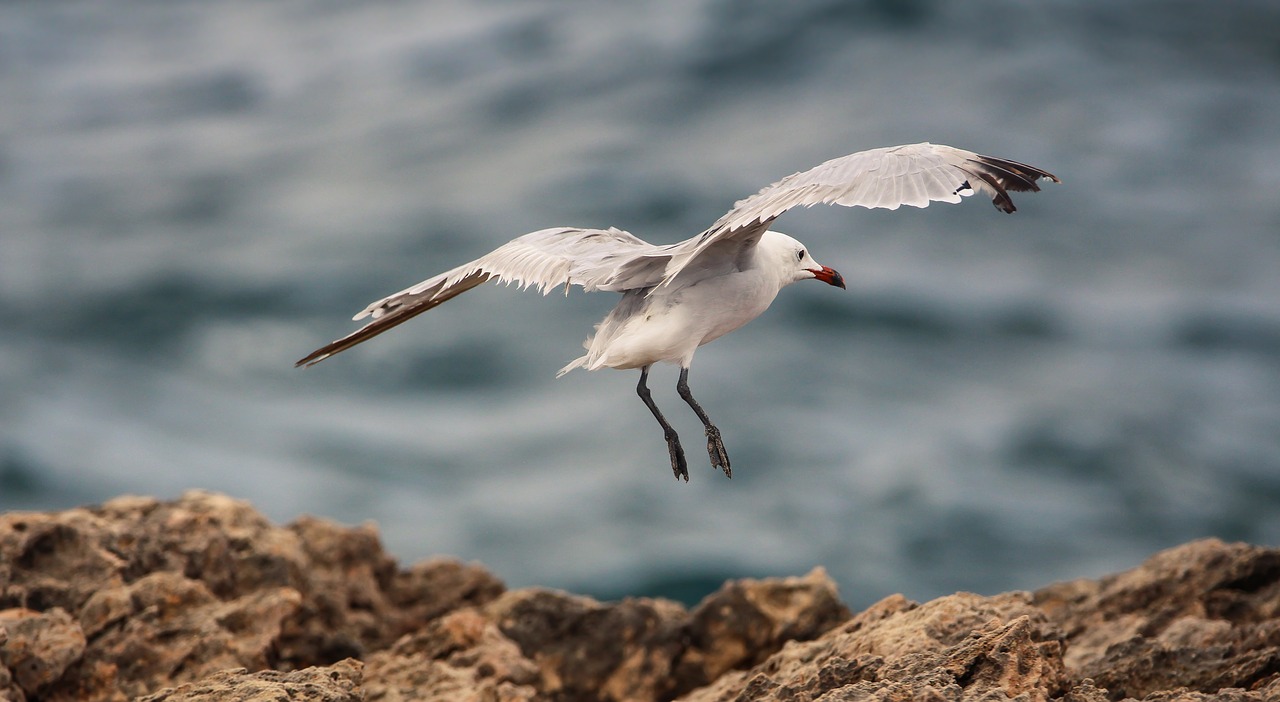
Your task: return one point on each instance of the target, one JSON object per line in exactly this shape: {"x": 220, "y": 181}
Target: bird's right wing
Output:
{"x": 596, "y": 259}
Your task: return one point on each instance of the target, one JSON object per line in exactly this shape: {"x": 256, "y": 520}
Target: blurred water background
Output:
{"x": 194, "y": 195}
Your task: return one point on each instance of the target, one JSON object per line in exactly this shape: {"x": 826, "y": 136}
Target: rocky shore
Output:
{"x": 202, "y": 598}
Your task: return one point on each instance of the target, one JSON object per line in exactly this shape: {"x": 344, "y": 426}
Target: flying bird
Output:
{"x": 677, "y": 297}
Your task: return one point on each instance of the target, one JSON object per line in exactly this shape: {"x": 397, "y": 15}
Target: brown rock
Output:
{"x": 40, "y": 646}
{"x": 1085, "y": 691}
{"x": 746, "y": 621}
{"x": 175, "y": 630}
{"x": 204, "y": 594}
{"x": 587, "y": 650}
{"x": 9, "y": 689}
{"x": 461, "y": 656}
{"x": 542, "y": 642}
{"x": 339, "y": 682}
{"x": 55, "y": 560}
{"x": 964, "y": 643}
{"x": 1201, "y": 616}
{"x": 356, "y": 600}
{"x": 431, "y": 588}
{"x": 171, "y": 591}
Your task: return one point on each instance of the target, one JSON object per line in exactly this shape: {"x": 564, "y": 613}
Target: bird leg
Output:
{"x": 715, "y": 445}
{"x": 678, "y": 464}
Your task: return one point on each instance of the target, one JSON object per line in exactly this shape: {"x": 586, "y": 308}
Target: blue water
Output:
{"x": 194, "y": 195}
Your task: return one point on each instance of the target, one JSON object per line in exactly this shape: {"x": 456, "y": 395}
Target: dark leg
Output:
{"x": 678, "y": 465}
{"x": 715, "y": 446}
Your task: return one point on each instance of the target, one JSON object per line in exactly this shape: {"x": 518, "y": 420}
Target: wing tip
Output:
{"x": 311, "y": 359}
{"x": 1004, "y": 175}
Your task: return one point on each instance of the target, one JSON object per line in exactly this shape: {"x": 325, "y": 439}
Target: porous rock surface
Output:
{"x": 201, "y": 598}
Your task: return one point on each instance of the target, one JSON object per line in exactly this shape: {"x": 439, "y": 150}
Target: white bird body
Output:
{"x": 680, "y": 296}
{"x": 669, "y": 322}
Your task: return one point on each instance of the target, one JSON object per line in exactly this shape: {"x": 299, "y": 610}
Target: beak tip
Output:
{"x": 830, "y": 276}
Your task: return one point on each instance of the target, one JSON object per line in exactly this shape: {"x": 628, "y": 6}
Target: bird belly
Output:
{"x": 645, "y": 338}
{"x": 670, "y": 326}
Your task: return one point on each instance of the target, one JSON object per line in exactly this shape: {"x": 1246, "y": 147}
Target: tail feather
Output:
{"x": 578, "y": 362}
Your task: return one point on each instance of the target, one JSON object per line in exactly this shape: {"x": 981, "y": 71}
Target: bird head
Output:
{"x": 794, "y": 262}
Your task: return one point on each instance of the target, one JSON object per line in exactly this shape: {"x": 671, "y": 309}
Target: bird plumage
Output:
{"x": 680, "y": 296}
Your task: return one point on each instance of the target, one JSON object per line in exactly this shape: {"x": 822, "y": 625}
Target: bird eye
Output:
{"x": 800, "y": 255}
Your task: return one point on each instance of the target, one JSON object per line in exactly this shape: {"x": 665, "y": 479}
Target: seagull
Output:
{"x": 677, "y": 297}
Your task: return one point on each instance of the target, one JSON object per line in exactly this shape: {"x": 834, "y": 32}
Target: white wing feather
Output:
{"x": 914, "y": 174}
{"x": 596, "y": 259}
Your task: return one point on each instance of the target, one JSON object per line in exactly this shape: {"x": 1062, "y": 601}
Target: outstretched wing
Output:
{"x": 914, "y": 174}
{"x": 596, "y": 259}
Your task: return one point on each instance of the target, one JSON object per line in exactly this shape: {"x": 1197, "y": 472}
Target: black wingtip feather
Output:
{"x": 1004, "y": 175}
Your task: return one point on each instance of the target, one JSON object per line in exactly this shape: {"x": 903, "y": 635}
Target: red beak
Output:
{"x": 828, "y": 276}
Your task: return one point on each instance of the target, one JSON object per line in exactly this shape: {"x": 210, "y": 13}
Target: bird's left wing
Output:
{"x": 596, "y": 259}
{"x": 914, "y": 174}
